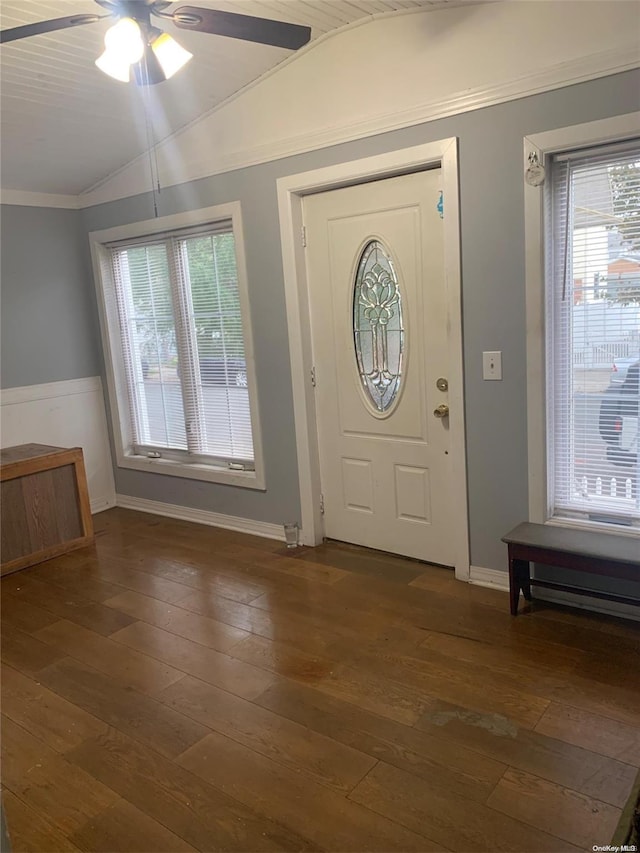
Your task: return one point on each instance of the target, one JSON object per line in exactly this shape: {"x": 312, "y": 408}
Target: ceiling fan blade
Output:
{"x": 247, "y": 27}
{"x": 47, "y": 27}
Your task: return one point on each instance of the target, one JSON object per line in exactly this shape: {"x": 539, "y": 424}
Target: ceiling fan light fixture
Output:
{"x": 171, "y": 55}
{"x": 135, "y": 48}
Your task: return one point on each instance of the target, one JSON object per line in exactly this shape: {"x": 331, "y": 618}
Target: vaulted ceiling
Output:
{"x": 66, "y": 126}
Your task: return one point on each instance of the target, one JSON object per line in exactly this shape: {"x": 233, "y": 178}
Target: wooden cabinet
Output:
{"x": 44, "y": 504}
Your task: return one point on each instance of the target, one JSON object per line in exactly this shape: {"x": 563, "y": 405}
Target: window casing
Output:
{"x": 175, "y": 323}
{"x": 591, "y": 310}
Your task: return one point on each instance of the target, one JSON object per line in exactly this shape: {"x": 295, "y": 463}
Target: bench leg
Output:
{"x": 514, "y": 587}
{"x": 518, "y": 580}
{"x": 525, "y": 581}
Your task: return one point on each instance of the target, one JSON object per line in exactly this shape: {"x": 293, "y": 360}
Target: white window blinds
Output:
{"x": 593, "y": 335}
{"x": 180, "y": 329}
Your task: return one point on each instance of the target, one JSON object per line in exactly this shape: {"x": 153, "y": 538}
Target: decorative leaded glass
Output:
{"x": 378, "y": 331}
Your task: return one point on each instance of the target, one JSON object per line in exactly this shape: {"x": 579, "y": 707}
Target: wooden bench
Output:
{"x": 581, "y": 550}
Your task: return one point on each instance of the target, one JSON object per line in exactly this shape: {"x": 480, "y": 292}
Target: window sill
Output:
{"x": 594, "y": 526}
{"x": 193, "y": 471}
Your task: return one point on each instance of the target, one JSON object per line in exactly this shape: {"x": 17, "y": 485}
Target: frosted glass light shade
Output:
{"x": 124, "y": 39}
{"x": 170, "y": 54}
{"x": 113, "y": 65}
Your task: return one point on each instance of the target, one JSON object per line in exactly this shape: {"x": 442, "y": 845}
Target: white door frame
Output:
{"x": 291, "y": 190}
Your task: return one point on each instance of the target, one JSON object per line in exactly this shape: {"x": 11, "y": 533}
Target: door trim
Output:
{"x": 291, "y": 191}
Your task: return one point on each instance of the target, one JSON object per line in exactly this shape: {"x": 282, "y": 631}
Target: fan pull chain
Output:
{"x": 152, "y": 152}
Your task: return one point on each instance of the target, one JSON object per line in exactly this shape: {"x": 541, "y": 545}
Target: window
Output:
{"x": 177, "y": 338}
{"x": 378, "y": 331}
{"x": 589, "y": 354}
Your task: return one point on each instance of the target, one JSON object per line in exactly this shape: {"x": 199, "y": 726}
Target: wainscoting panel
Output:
{"x": 65, "y": 414}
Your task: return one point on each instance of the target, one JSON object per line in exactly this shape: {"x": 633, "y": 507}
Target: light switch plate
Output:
{"x": 492, "y": 365}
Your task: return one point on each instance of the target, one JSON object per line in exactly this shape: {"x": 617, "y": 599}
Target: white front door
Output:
{"x": 375, "y": 263}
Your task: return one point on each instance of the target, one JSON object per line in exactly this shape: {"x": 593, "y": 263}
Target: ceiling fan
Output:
{"x": 135, "y": 45}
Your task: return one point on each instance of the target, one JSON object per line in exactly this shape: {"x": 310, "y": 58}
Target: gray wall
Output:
{"x": 493, "y": 269}
{"x": 49, "y": 320}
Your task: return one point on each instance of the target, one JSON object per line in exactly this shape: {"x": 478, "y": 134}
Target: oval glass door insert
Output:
{"x": 378, "y": 329}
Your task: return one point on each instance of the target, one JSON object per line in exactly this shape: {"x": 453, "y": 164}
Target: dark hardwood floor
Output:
{"x": 178, "y": 687}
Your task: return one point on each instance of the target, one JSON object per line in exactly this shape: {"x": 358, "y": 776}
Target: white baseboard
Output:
{"x": 585, "y": 602}
{"x": 203, "y": 516}
{"x": 101, "y": 504}
{"x": 491, "y": 578}
{"x": 500, "y": 580}
{"x": 70, "y": 413}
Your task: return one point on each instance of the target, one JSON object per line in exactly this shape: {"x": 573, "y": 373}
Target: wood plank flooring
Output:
{"x": 178, "y": 687}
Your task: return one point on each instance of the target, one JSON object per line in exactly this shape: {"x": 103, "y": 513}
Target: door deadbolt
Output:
{"x": 442, "y": 384}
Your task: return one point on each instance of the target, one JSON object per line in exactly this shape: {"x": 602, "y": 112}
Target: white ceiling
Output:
{"x": 65, "y": 126}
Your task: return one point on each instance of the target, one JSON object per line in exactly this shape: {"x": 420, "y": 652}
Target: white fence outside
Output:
{"x": 603, "y": 332}
{"x": 602, "y": 355}
{"x": 614, "y": 487}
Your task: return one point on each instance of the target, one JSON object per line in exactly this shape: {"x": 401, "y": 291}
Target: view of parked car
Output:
{"x": 222, "y": 371}
{"x": 618, "y": 420}
{"x": 620, "y": 367}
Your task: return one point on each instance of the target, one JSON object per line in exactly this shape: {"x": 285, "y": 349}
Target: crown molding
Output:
{"x": 564, "y": 74}
{"x": 23, "y": 198}
{"x": 119, "y": 184}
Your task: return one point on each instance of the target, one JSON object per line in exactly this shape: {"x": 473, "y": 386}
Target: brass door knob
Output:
{"x": 441, "y": 411}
